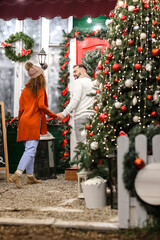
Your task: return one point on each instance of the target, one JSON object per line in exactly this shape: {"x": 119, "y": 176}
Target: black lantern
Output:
{"x": 42, "y": 58}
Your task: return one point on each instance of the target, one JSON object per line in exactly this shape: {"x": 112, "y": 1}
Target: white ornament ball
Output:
{"x": 135, "y": 119}
{"x": 130, "y": 8}
{"x": 121, "y": 3}
{"x": 134, "y": 101}
{"x": 118, "y": 42}
{"x": 156, "y": 97}
{"x": 118, "y": 105}
{"x": 148, "y": 67}
{"x": 94, "y": 145}
{"x": 147, "y": 19}
{"x": 84, "y": 133}
{"x": 135, "y": 1}
{"x": 143, "y": 36}
{"x": 128, "y": 83}
{"x": 108, "y": 21}
{"x": 136, "y": 27}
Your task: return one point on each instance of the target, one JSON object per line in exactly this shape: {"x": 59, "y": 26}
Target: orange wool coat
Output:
{"x": 30, "y": 122}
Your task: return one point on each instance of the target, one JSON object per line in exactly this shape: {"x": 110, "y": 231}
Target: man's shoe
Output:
{"x": 16, "y": 179}
{"x": 33, "y": 180}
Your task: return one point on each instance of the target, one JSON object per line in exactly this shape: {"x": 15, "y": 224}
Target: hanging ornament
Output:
{"x": 147, "y": 19}
{"x": 148, "y": 67}
{"x": 116, "y": 80}
{"x": 121, "y": 4}
{"x": 134, "y": 101}
{"x": 116, "y": 67}
{"x": 130, "y": 42}
{"x": 123, "y": 17}
{"x": 118, "y": 105}
{"x": 103, "y": 117}
{"x": 135, "y": 1}
{"x": 154, "y": 23}
{"x": 110, "y": 56}
{"x": 84, "y": 133}
{"x": 118, "y": 42}
{"x": 97, "y": 91}
{"x": 106, "y": 72}
{"x": 155, "y": 52}
{"x": 140, "y": 49}
{"x": 122, "y": 133}
{"x": 129, "y": 83}
{"x": 114, "y": 96}
{"x": 143, "y": 36}
{"x": 156, "y": 97}
{"x": 108, "y": 86}
{"x": 136, "y": 9}
{"x": 139, "y": 163}
{"x": 96, "y": 108}
{"x": 146, "y": 6}
{"x": 111, "y": 15}
{"x": 94, "y": 145}
{"x": 149, "y": 97}
{"x": 130, "y": 8}
{"x": 123, "y": 108}
{"x": 107, "y": 61}
{"x": 137, "y": 66}
{"x": 135, "y": 119}
{"x": 153, "y": 114}
{"x": 153, "y": 35}
{"x": 158, "y": 78}
{"x": 100, "y": 66}
{"x": 88, "y": 126}
{"x": 91, "y": 134}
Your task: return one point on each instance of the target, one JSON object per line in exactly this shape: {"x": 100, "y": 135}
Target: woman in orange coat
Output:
{"x": 31, "y": 122}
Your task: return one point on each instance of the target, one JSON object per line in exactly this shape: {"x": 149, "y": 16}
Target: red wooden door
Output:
{"x": 88, "y": 45}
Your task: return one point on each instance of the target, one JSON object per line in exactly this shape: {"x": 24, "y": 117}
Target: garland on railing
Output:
{"x": 132, "y": 164}
{"x": 25, "y": 52}
{"x": 63, "y": 85}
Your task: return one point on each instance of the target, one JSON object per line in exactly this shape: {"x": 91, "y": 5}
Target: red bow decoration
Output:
{"x": 76, "y": 33}
{"x": 25, "y": 52}
{"x": 12, "y": 120}
{"x": 64, "y": 92}
{"x": 62, "y": 79}
{"x": 6, "y": 44}
{"x": 65, "y": 132}
{"x": 63, "y": 66}
{"x": 95, "y": 32}
{"x": 66, "y": 54}
{"x": 67, "y": 102}
{"x": 64, "y": 142}
{"x": 65, "y": 119}
{"x": 66, "y": 45}
{"x": 65, "y": 155}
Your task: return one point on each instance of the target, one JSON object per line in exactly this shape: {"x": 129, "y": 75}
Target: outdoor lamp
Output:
{"x": 42, "y": 58}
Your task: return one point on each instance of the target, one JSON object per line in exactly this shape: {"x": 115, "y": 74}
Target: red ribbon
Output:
{"x": 25, "y": 52}
{"x": 122, "y": 133}
{"x": 95, "y": 32}
{"x": 64, "y": 92}
{"x": 66, "y": 45}
{"x": 62, "y": 79}
{"x": 64, "y": 142}
{"x": 65, "y": 155}
{"x": 67, "y": 102}
{"x": 6, "y": 44}
{"x": 65, "y": 119}
{"x": 86, "y": 35}
{"x": 65, "y": 132}
{"x": 12, "y": 120}
{"x": 76, "y": 33}
{"x": 66, "y": 54}
{"x": 63, "y": 66}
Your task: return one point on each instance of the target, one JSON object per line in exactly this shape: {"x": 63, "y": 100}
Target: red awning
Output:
{"x": 35, "y": 9}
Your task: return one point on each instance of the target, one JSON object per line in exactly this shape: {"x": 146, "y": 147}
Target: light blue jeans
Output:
{"x": 28, "y": 157}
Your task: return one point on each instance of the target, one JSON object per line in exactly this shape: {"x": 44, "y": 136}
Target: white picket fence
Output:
{"x": 130, "y": 212}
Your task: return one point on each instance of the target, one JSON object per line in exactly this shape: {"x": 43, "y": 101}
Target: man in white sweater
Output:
{"x": 80, "y": 102}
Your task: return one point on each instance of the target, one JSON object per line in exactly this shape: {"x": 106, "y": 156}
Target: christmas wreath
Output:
{"x": 25, "y": 52}
{"x": 132, "y": 165}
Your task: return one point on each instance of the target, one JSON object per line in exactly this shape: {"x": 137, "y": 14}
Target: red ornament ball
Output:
{"x": 91, "y": 134}
{"x": 154, "y": 23}
{"x": 130, "y": 42}
{"x": 114, "y": 96}
{"x": 106, "y": 72}
{"x": 111, "y": 15}
{"x": 97, "y": 91}
{"x": 140, "y": 49}
{"x": 137, "y": 66}
{"x": 116, "y": 80}
{"x": 149, "y": 97}
{"x": 107, "y": 61}
{"x": 158, "y": 78}
{"x": 100, "y": 66}
{"x": 103, "y": 117}
{"x": 123, "y": 108}
{"x": 153, "y": 35}
{"x": 139, "y": 163}
{"x": 146, "y": 6}
{"x": 110, "y": 56}
{"x": 136, "y": 9}
{"x": 116, "y": 67}
{"x": 108, "y": 85}
{"x": 96, "y": 108}
{"x": 155, "y": 52}
{"x": 153, "y": 114}
{"x": 88, "y": 126}
{"x": 123, "y": 17}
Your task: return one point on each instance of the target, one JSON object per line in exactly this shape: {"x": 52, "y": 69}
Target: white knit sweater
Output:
{"x": 79, "y": 101}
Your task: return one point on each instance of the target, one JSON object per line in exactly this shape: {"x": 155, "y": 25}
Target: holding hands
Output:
{"x": 60, "y": 116}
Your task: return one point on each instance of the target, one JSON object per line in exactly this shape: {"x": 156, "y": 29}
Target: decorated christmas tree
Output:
{"x": 129, "y": 81}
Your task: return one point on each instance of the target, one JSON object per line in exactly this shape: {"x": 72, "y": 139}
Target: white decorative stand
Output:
{"x": 82, "y": 177}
